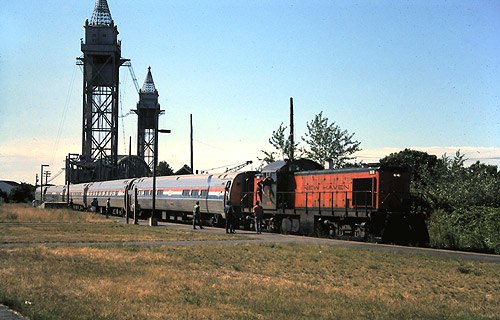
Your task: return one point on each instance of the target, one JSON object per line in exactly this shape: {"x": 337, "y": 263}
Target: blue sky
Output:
{"x": 399, "y": 74}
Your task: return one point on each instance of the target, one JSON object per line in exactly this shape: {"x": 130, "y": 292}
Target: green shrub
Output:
{"x": 470, "y": 229}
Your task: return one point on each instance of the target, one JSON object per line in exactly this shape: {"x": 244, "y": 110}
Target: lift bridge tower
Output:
{"x": 148, "y": 111}
{"x": 101, "y": 61}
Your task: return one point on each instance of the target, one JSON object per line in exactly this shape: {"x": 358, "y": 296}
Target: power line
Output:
{"x": 64, "y": 113}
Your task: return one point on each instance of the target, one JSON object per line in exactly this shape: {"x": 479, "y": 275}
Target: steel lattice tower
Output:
{"x": 148, "y": 110}
{"x": 101, "y": 62}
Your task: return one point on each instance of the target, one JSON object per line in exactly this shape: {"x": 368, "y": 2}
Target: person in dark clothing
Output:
{"x": 197, "y": 215}
{"x": 108, "y": 207}
{"x": 258, "y": 212}
{"x": 229, "y": 212}
{"x": 93, "y": 205}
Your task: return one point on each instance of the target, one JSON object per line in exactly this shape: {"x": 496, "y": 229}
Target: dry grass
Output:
{"x": 243, "y": 281}
{"x": 25, "y": 213}
{"x": 93, "y": 232}
{"x": 25, "y": 224}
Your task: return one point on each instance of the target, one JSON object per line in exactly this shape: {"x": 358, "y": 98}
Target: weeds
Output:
{"x": 10, "y": 212}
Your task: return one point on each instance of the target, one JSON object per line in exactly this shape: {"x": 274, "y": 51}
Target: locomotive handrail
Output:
{"x": 319, "y": 200}
{"x": 327, "y": 199}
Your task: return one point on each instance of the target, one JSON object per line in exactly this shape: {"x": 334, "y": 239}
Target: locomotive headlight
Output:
{"x": 397, "y": 175}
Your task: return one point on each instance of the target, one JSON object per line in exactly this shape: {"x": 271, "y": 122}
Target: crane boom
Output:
{"x": 132, "y": 74}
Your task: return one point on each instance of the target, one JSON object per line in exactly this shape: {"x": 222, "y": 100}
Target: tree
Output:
{"x": 425, "y": 169}
{"x": 445, "y": 183}
{"x": 164, "y": 169}
{"x": 268, "y": 157}
{"x": 461, "y": 187}
{"x": 4, "y": 196}
{"x": 281, "y": 144}
{"x": 328, "y": 141}
{"x": 21, "y": 193}
{"x": 422, "y": 165}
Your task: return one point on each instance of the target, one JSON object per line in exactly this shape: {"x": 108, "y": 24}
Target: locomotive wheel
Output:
{"x": 215, "y": 221}
{"x": 332, "y": 232}
{"x": 320, "y": 230}
{"x": 286, "y": 226}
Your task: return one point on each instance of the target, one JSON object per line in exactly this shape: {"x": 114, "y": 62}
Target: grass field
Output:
{"x": 233, "y": 281}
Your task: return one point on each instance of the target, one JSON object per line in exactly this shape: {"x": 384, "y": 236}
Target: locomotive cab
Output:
{"x": 275, "y": 186}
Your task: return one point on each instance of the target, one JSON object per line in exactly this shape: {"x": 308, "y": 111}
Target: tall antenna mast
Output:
{"x": 292, "y": 141}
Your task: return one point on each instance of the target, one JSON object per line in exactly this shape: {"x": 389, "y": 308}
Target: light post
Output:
{"x": 153, "y": 221}
{"x": 41, "y": 181}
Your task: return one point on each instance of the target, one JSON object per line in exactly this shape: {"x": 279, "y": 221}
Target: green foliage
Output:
{"x": 422, "y": 164}
{"x": 463, "y": 201}
{"x": 281, "y": 143}
{"x": 164, "y": 169}
{"x": 456, "y": 186}
{"x": 3, "y": 196}
{"x": 22, "y": 193}
{"x": 324, "y": 141}
{"x": 268, "y": 158}
{"x": 328, "y": 141}
{"x": 446, "y": 183}
{"x": 282, "y": 146}
{"x": 471, "y": 229}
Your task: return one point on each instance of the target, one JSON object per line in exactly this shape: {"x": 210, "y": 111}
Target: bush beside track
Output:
{"x": 468, "y": 229}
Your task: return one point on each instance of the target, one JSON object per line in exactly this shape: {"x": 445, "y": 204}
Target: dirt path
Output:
{"x": 8, "y": 314}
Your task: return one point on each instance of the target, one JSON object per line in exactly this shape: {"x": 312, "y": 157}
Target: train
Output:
{"x": 371, "y": 202}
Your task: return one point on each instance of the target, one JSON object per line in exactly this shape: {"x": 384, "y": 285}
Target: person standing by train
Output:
{"x": 108, "y": 208}
{"x": 258, "y": 212}
{"x": 229, "y": 212}
{"x": 197, "y": 215}
{"x": 93, "y": 205}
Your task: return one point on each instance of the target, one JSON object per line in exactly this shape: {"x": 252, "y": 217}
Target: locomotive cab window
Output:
{"x": 362, "y": 190}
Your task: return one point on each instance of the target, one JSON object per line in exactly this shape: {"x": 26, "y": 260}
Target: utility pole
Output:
{"x": 41, "y": 181}
{"x": 292, "y": 141}
{"x": 129, "y": 157}
{"x": 191, "y": 128}
{"x": 153, "y": 221}
{"x": 47, "y": 175}
{"x": 36, "y": 186}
